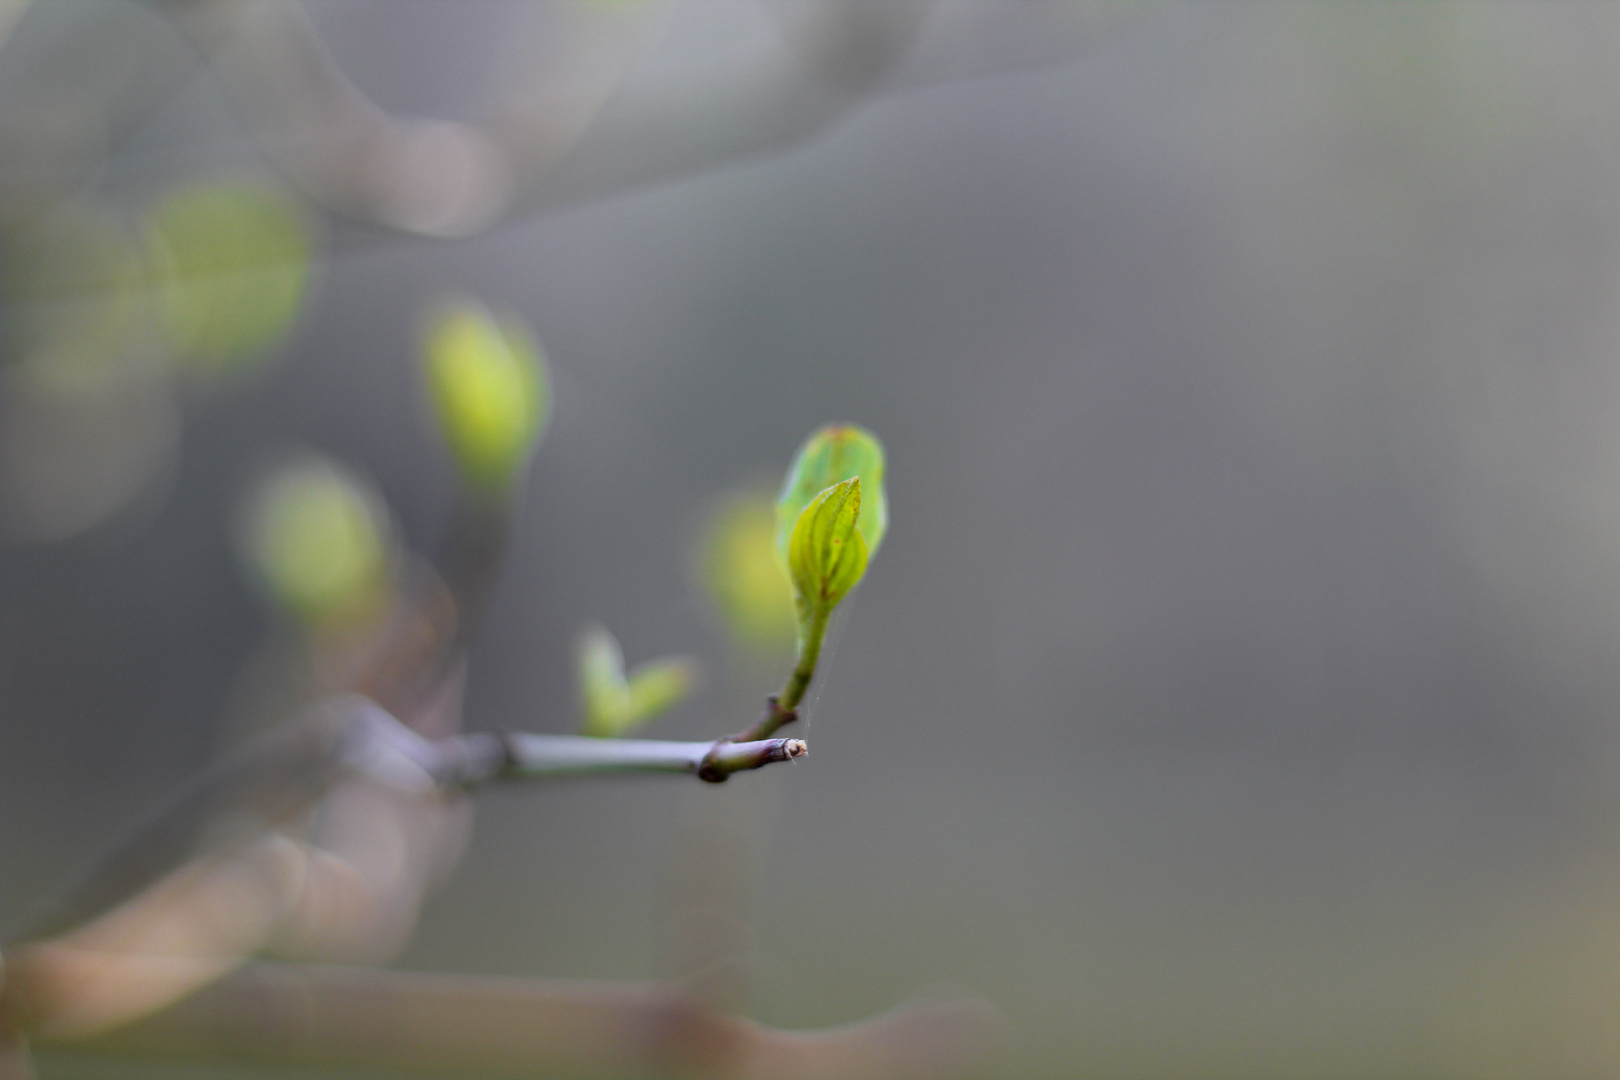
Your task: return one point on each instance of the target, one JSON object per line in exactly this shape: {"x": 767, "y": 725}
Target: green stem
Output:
{"x": 782, "y": 708}
{"x": 805, "y": 669}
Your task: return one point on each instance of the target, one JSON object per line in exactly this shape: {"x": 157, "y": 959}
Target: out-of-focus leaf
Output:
{"x": 487, "y": 382}
{"x": 602, "y": 686}
{"x": 833, "y": 454}
{"x": 232, "y": 261}
{"x": 615, "y": 705}
{"x": 826, "y": 552}
{"x": 743, "y": 575}
{"x": 318, "y": 537}
{"x": 658, "y": 686}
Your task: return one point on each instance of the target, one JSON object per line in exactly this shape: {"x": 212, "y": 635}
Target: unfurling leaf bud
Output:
{"x": 826, "y": 553}
{"x": 487, "y": 382}
{"x": 835, "y": 453}
{"x": 830, "y": 519}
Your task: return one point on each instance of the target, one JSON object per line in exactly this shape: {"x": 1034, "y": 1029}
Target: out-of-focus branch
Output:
{"x": 832, "y": 60}
{"x": 184, "y": 932}
{"x": 269, "y": 782}
{"x": 64, "y": 101}
{"x": 564, "y": 63}
{"x": 973, "y": 39}
{"x": 10, "y": 12}
{"x": 334, "y": 1017}
{"x": 433, "y": 177}
{"x": 559, "y": 125}
{"x": 448, "y": 178}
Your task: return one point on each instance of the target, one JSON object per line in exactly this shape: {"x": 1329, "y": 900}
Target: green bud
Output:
{"x": 833, "y": 454}
{"x": 487, "y": 382}
{"x": 232, "y": 262}
{"x": 318, "y": 537}
{"x": 614, "y": 705}
{"x": 826, "y": 552}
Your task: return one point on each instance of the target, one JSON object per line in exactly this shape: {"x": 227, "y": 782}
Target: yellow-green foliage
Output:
{"x": 830, "y": 519}
{"x": 487, "y": 382}
{"x": 834, "y": 453}
{"x": 319, "y": 540}
{"x": 231, "y": 262}
{"x": 615, "y": 704}
{"x": 743, "y": 575}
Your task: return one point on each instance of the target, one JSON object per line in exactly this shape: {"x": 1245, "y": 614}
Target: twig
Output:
{"x": 565, "y": 755}
{"x": 382, "y": 748}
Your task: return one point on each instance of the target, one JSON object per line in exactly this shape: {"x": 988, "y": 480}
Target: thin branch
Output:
{"x": 387, "y": 751}
{"x": 535, "y": 756}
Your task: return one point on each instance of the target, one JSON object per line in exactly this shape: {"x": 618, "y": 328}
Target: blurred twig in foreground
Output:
{"x": 315, "y": 1016}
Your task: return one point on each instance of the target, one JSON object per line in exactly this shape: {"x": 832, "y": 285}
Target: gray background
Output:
{"x": 1236, "y": 691}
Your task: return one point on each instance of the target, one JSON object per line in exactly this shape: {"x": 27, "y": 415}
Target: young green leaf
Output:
{"x": 613, "y": 704}
{"x": 833, "y": 454}
{"x": 827, "y": 553}
{"x": 487, "y": 382}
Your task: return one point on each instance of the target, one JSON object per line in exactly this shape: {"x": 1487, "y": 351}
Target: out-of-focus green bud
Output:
{"x": 826, "y": 552}
{"x": 232, "y": 261}
{"x": 743, "y": 575}
{"x": 487, "y": 381}
{"x": 601, "y": 680}
{"x": 318, "y": 537}
{"x": 615, "y": 705}
{"x": 658, "y": 686}
{"x": 835, "y": 453}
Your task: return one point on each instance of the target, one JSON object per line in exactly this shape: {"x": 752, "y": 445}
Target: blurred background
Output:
{"x": 1236, "y": 693}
